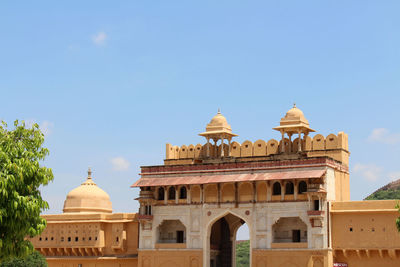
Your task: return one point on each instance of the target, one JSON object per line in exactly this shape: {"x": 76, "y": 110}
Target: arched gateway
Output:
{"x": 221, "y": 238}
{"x": 192, "y": 206}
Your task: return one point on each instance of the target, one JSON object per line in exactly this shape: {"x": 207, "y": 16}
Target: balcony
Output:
{"x": 145, "y": 217}
{"x": 316, "y": 213}
{"x": 316, "y": 217}
{"x": 146, "y": 195}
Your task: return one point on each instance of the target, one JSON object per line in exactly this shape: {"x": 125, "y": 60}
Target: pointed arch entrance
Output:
{"x": 221, "y": 240}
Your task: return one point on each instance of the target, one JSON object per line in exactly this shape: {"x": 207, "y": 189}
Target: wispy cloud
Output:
{"x": 99, "y": 38}
{"x": 120, "y": 164}
{"x": 369, "y": 172}
{"x": 383, "y": 135}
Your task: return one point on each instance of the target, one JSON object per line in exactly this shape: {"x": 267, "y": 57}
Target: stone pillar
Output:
{"x": 222, "y": 147}
{"x": 290, "y": 143}
{"x": 165, "y": 195}
{"x": 254, "y": 192}
{"x": 305, "y": 139}
{"x": 299, "y": 145}
{"x": 201, "y": 194}
{"x": 229, "y": 147}
{"x": 283, "y": 142}
{"x": 176, "y": 194}
{"x": 188, "y": 195}
{"x": 219, "y": 194}
{"x": 282, "y": 189}
{"x": 215, "y": 147}
{"x": 236, "y": 195}
{"x": 208, "y": 148}
{"x": 269, "y": 191}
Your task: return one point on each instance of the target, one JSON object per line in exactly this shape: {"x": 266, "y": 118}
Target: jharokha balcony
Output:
{"x": 315, "y": 213}
{"x": 145, "y": 217}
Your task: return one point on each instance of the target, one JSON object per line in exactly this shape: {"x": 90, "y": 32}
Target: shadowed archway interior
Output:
{"x": 223, "y": 241}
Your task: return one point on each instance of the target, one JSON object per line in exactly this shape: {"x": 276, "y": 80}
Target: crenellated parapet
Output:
{"x": 295, "y": 143}
{"x": 334, "y": 146}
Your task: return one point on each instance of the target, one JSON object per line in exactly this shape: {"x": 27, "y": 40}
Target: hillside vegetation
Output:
{"x": 389, "y": 191}
{"x": 385, "y": 194}
{"x": 243, "y": 253}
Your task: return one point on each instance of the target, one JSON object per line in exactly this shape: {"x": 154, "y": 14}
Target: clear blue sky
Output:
{"x": 112, "y": 82}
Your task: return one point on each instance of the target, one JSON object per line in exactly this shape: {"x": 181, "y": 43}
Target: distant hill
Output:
{"x": 389, "y": 191}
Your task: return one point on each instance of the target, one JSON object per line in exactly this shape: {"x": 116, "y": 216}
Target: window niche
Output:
{"x": 171, "y": 193}
{"x": 302, "y": 187}
{"x": 289, "y": 188}
{"x": 183, "y": 192}
{"x": 171, "y": 231}
{"x": 276, "y": 189}
{"x": 160, "y": 195}
{"x": 289, "y": 230}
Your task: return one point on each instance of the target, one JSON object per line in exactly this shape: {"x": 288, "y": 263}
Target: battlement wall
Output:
{"x": 335, "y": 146}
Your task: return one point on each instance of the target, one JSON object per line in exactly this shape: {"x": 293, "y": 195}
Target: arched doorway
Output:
{"x": 222, "y": 241}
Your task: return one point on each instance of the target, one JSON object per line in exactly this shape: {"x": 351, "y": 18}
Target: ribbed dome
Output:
{"x": 87, "y": 197}
{"x": 294, "y": 122}
{"x": 295, "y": 114}
{"x": 218, "y": 122}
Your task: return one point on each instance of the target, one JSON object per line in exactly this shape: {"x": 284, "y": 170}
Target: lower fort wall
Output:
{"x": 291, "y": 258}
{"x": 171, "y": 258}
{"x": 92, "y": 262}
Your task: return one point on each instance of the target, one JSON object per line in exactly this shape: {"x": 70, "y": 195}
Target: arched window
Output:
{"x": 171, "y": 193}
{"x": 302, "y": 187}
{"x": 182, "y": 192}
{"x": 289, "y": 188}
{"x": 276, "y": 190}
{"x": 160, "y": 193}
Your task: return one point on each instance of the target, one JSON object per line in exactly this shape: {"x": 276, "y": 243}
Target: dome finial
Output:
{"x": 294, "y": 105}
{"x": 89, "y": 172}
{"x": 219, "y": 111}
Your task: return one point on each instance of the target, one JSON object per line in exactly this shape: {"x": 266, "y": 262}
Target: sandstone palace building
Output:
{"x": 293, "y": 193}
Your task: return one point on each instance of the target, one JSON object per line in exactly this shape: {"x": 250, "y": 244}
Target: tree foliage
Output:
{"x": 243, "y": 254}
{"x": 21, "y": 175}
{"x": 398, "y": 218}
{"x": 385, "y": 194}
{"x": 34, "y": 259}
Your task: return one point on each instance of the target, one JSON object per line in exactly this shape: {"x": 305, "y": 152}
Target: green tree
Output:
{"x": 32, "y": 260}
{"x": 21, "y": 175}
{"x": 398, "y": 218}
{"x": 243, "y": 254}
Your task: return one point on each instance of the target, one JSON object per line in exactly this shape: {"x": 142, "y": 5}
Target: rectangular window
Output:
{"x": 179, "y": 236}
{"x": 295, "y": 236}
{"x": 316, "y": 204}
{"x": 147, "y": 210}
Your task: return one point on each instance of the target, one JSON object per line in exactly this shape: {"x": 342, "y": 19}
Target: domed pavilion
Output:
{"x": 87, "y": 198}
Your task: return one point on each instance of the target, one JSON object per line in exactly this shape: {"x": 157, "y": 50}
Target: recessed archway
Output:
{"x": 221, "y": 240}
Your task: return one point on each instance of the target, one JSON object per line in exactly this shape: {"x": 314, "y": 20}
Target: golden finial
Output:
{"x": 219, "y": 111}
{"x": 89, "y": 172}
